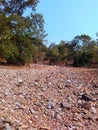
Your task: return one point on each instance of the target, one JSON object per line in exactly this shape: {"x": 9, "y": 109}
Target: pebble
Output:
{"x": 86, "y": 97}
{"x": 65, "y": 105}
{"x": 93, "y": 110}
{"x": 58, "y": 117}
{"x": 7, "y": 127}
{"x": 50, "y": 105}
{"x": 68, "y": 83}
{"x": 20, "y": 81}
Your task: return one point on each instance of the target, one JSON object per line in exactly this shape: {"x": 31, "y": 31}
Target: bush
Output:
{"x": 82, "y": 59}
{"x": 9, "y": 51}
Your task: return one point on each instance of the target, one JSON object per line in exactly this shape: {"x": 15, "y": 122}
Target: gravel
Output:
{"x": 48, "y": 98}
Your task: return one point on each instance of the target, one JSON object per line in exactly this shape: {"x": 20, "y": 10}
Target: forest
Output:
{"x": 22, "y": 39}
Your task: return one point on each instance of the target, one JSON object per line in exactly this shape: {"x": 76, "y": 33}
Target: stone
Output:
{"x": 79, "y": 102}
{"x": 68, "y": 83}
{"x": 50, "y": 105}
{"x": 58, "y": 117}
{"x": 59, "y": 109}
{"x": 86, "y": 106}
{"x": 86, "y": 97}
{"x": 49, "y": 83}
{"x": 35, "y": 83}
{"x": 32, "y": 111}
{"x": 65, "y": 105}
{"x": 95, "y": 85}
{"x": 2, "y": 101}
{"x": 93, "y": 110}
{"x": 7, "y": 127}
{"x": 20, "y": 81}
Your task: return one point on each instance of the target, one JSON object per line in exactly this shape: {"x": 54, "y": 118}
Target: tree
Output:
{"x": 39, "y": 52}
{"x": 63, "y": 50}
{"x": 18, "y": 31}
{"x": 53, "y": 54}
{"x": 83, "y": 50}
{"x": 17, "y": 6}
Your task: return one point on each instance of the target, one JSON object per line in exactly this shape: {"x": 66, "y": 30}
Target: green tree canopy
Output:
{"x": 19, "y": 32}
{"x": 17, "y": 6}
{"x": 84, "y": 50}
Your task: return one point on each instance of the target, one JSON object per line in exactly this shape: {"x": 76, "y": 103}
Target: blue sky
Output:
{"x": 64, "y": 19}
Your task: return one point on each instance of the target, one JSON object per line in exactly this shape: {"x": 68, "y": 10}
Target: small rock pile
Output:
{"x": 48, "y": 98}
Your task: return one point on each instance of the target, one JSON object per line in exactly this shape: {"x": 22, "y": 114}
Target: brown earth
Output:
{"x": 39, "y": 97}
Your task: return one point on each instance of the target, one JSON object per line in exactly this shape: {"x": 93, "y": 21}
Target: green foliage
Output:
{"x": 21, "y": 39}
{"x": 17, "y": 6}
{"x": 9, "y": 51}
{"x": 81, "y": 51}
{"x": 19, "y": 33}
{"x": 82, "y": 58}
{"x": 25, "y": 48}
{"x": 84, "y": 52}
{"x": 63, "y": 52}
{"x": 53, "y": 53}
{"x": 39, "y": 53}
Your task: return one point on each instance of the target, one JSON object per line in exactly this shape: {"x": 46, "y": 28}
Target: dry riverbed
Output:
{"x": 41, "y": 97}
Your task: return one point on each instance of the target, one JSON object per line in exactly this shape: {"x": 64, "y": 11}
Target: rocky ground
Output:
{"x": 48, "y": 98}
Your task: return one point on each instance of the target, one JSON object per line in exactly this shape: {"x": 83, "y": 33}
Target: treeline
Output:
{"x": 81, "y": 51}
{"x": 22, "y": 39}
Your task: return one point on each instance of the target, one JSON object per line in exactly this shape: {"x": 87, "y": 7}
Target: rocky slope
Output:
{"x": 48, "y": 98}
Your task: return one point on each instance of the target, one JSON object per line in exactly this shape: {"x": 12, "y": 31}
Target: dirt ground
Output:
{"x": 40, "y": 97}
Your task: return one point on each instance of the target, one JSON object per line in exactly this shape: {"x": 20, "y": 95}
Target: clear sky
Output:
{"x": 64, "y": 19}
